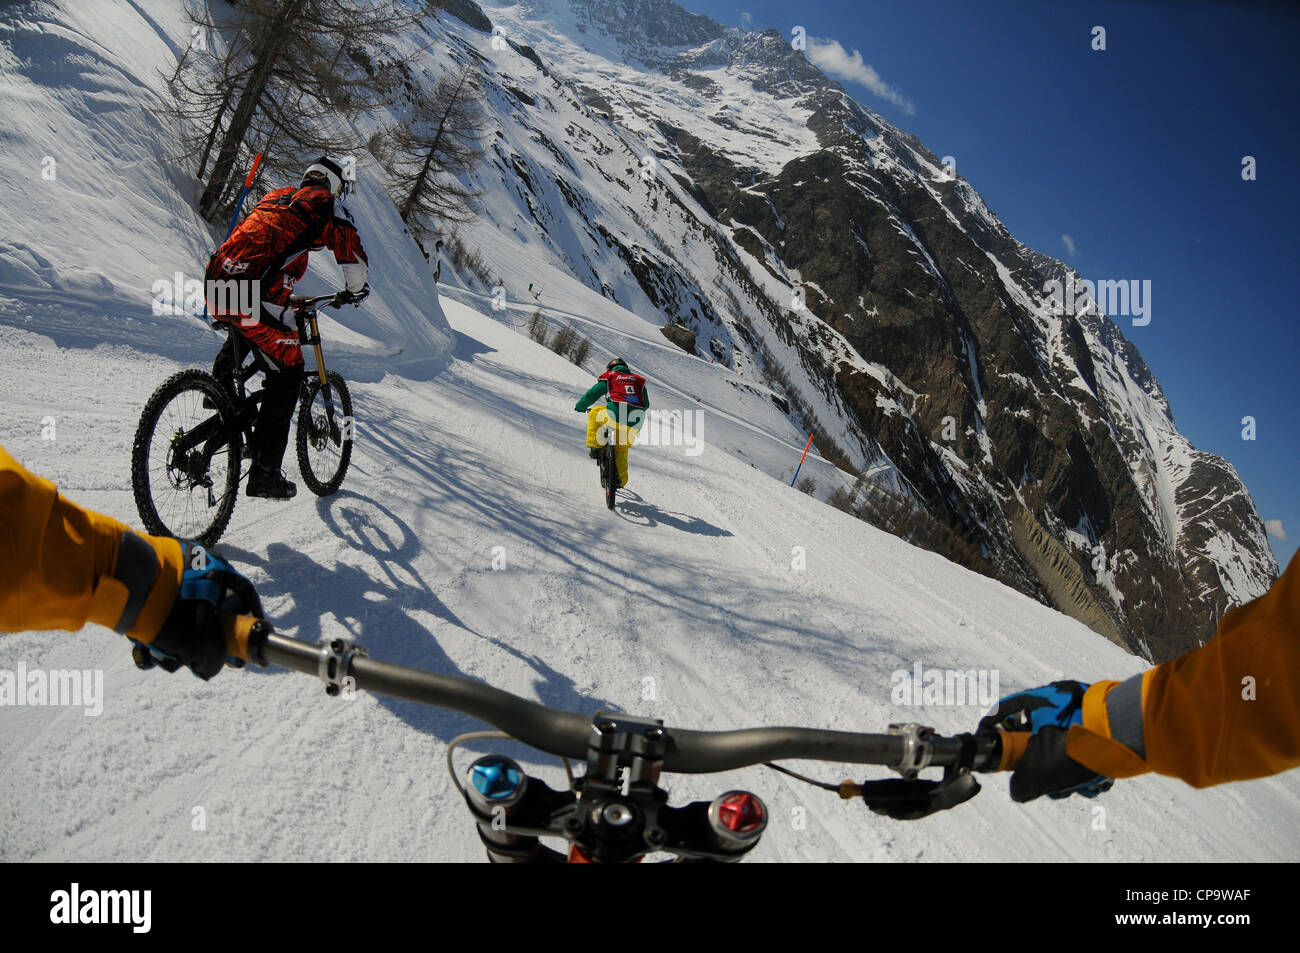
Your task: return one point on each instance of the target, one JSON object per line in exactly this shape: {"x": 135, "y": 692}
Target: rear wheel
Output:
{"x": 325, "y": 435}
{"x": 609, "y": 466}
{"x": 185, "y": 461}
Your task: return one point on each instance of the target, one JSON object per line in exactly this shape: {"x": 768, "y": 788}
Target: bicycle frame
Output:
{"x": 246, "y": 404}
{"x": 211, "y": 433}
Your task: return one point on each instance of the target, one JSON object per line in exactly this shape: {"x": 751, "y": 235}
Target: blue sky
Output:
{"x": 1135, "y": 153}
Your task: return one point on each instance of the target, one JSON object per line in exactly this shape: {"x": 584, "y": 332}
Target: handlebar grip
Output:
{"x": 245, "y": 634}
{"x": 1014, "y": 744}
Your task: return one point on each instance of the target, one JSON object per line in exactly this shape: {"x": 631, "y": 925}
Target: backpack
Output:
{"x": 286, "y": 222}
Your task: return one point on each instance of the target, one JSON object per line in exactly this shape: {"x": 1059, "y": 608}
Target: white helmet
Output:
{"x": 328, "y": 169}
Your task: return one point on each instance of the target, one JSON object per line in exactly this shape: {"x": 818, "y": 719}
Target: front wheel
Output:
{"x": 185, "y": 461}
{"x": 325, "y": 434}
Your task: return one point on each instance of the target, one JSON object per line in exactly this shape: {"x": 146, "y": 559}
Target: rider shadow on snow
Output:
{"x": 380, "y": 609}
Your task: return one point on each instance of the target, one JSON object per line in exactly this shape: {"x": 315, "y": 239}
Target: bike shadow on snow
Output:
{"x": 646, "y": 514}
{"x": 380, "y": 605}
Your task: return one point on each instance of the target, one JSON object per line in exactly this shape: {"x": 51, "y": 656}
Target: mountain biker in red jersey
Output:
{"x": 626, "y": 401}
{"x": 269, "y": 249}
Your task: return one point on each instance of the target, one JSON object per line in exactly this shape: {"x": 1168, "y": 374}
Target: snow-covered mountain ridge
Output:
{"x": 715, "y": 177}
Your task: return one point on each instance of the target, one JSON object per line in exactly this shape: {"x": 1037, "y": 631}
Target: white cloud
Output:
{"x": 746, "y": 19}
{"x": 834, "y": 60}
{"x": 1275, "y": 529}
{"x": 1069, "y": 243}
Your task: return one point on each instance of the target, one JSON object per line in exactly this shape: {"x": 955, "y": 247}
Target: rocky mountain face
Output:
{"x": 804, "y": 239}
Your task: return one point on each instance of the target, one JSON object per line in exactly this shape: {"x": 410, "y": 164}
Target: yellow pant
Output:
{"x": 624, "y": 437}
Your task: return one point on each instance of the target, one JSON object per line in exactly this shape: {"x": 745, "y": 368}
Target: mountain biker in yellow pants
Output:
{"x": 626, "y": 401}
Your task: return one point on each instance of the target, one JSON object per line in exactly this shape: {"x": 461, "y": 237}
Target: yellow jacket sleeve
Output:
{"x": 62, "y": 566}
{"x": 1227, "y": 711}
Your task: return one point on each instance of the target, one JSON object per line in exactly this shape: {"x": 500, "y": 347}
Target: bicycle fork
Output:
{"x": 323, "y": 375}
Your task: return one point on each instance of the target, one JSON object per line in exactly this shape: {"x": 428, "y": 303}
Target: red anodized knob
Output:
{"x": 741, "y": 812}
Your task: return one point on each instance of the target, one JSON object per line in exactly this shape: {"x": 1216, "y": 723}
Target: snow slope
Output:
{"x": 711, "y": 627}
{"x": 94, "y": 211}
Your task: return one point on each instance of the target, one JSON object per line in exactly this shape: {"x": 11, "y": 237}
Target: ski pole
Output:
{"x": 801, "y": 460}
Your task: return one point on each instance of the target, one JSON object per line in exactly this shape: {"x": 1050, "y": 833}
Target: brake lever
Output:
{"x": 905, "y": 800}
{"x": 911, "y": 797}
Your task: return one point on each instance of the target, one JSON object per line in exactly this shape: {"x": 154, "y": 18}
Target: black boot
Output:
{"x": 269, "y": 484}
{"x": 280, "y": 394}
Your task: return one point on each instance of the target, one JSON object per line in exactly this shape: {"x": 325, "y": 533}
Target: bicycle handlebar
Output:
{"x": 335, "y": 299}
{"x": 298, "y": 302}
{"x": 569, "y": 734}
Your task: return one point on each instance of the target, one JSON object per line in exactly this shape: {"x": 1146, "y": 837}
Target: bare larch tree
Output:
{"x": 440, "y": 141}
{"x": 287, "y": 76}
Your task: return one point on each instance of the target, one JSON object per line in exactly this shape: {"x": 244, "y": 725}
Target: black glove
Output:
{"x": 191, "y": 634}
{"x": 351, "y": 297}
{"x": 1045, "y": 768}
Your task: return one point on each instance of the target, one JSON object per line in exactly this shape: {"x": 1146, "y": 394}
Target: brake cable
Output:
{"x": 824, "y": 785}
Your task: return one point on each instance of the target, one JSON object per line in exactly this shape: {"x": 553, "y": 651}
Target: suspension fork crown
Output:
{"x": 313, "y": 338}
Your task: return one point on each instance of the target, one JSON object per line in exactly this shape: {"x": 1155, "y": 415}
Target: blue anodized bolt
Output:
{"x": 496, "y": 778}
